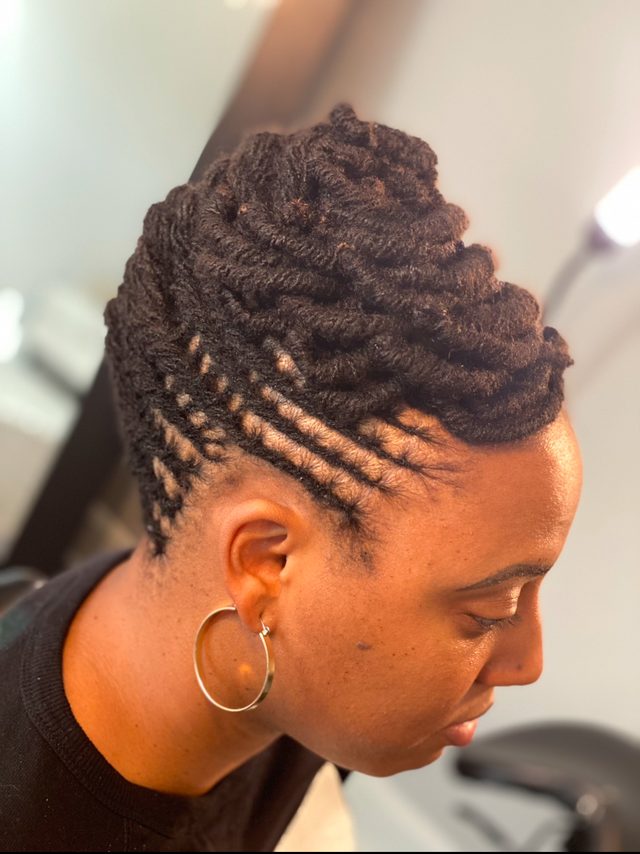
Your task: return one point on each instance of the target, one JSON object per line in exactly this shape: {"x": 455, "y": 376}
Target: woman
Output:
{"x": 355, "y": 472}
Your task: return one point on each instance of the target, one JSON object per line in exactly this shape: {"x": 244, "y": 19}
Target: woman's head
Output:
{"x": 330, "y": 398}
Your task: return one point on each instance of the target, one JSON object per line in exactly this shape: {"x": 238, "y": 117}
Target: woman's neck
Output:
{"x": 128, "y": 676}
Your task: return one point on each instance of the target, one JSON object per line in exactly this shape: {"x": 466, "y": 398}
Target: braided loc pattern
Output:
{"x": 297, "y": 299}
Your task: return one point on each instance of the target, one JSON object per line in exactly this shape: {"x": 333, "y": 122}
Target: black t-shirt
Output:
{"x": 58, "y": 793}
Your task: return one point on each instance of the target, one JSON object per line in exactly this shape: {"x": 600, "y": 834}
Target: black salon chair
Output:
{"x": 16, "y": 582}
{"x": 595, "y": 773}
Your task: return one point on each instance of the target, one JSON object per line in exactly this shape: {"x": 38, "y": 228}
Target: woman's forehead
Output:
{"x": 547, "y": 464}
{"x": 523, "y": 493}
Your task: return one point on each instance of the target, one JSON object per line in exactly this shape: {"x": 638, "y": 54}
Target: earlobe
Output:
{"x": 256, "y": 554}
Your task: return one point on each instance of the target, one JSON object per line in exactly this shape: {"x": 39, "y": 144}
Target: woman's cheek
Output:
{"x": 450, "y": 671}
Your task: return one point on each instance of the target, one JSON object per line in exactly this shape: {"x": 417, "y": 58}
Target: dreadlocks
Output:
{"x": 296, "y": 300}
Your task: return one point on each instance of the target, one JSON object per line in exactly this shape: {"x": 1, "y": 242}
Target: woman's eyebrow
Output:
{"x": 518, "y": 570}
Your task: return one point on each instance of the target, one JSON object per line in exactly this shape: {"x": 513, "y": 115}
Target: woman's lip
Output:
{"x": 461, "y": 734}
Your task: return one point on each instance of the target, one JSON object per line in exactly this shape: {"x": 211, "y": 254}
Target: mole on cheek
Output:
{"x": 363, "y": 646}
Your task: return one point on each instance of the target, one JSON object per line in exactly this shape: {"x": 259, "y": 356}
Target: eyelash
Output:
{"x": 488, "y": 625}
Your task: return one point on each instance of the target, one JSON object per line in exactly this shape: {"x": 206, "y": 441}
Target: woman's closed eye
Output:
{"x": 488, "y": 624}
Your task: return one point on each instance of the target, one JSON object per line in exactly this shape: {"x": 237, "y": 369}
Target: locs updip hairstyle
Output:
{"x": 310, "y": 286}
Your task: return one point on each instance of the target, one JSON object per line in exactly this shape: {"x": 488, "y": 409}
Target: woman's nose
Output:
{"x": 517, "y": 655}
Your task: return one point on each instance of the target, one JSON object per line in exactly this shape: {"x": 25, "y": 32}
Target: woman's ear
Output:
{"x": 257, "y": 542}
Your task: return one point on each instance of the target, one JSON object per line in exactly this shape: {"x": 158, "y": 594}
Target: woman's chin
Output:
{"x": 419, "y": 760}
{"x": 397, "y": 764}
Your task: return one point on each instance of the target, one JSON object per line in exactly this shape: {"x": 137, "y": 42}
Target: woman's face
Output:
{"x": 375, "y": 664}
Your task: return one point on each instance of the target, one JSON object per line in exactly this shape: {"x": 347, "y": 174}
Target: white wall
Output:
{"x": 533, "y": 108}
{"x": 104, "y": 107}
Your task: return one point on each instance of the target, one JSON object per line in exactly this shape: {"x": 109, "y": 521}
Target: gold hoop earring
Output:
{"x": 268, "y": 649}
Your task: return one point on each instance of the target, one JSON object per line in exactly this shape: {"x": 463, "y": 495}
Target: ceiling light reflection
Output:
{"x": 618, "y": 213}
{"x": 11, "y": 310}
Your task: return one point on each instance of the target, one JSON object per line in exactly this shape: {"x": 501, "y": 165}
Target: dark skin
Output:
{"x": 376, "y": 654}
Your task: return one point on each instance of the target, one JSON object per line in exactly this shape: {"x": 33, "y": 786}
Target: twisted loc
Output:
{"x": 296, "y": 300}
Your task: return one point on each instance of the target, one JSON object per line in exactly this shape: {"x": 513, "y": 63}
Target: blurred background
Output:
{"x": 534, "y": 111}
